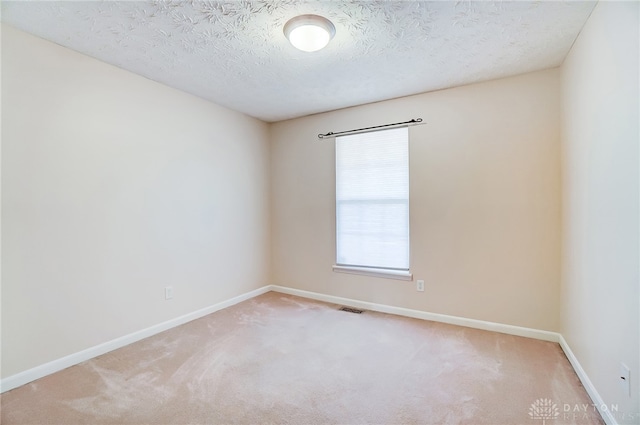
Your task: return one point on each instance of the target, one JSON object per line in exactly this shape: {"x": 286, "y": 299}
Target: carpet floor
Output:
{"x": 280, "y": 359}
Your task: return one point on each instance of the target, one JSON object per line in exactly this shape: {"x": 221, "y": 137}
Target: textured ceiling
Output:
{"x": 235, "y": 53}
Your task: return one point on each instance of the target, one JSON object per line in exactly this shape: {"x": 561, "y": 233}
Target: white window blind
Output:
{"x": 372, "y": 199}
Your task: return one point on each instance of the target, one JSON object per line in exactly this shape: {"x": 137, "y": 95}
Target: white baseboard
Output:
{"x": 418, "y": 314}
{"x": 37, "y": 372}
{"x": 586, "y": 383}
{"x": 470, "y": 323}
{"x": 27, "y": 376}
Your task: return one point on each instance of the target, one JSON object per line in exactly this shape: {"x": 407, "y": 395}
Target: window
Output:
{"x": 372, "y": 203}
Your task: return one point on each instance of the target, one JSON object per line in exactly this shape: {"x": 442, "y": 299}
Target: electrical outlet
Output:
{"x": 624, "y": 379}
{"x": 420, "y": 285}
{"x": 168, "y": 292}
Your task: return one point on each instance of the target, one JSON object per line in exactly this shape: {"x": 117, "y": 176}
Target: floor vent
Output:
{"x": 351, "y": 310}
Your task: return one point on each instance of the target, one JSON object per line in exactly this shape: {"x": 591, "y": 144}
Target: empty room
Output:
{"x": 320, "y": 212}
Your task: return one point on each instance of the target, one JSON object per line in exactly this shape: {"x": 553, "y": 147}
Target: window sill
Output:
{"x": 366, "y": 271}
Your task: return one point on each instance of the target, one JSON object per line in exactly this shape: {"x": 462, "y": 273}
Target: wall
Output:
{"x": 114, "y": 186}
{"x": 600, "y": 298}
{"x": 485, "y": 202}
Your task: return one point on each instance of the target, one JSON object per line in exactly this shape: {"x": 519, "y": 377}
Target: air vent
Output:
{"x": 351, "y": 310}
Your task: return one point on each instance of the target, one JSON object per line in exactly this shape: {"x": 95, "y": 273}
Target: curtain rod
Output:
{"x": 339, "y": 133}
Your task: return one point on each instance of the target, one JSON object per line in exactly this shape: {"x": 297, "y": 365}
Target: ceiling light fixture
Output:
{"x": 309, "y": 32}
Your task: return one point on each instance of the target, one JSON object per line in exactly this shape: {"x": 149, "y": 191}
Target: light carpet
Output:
{"x": 287, "y": 360}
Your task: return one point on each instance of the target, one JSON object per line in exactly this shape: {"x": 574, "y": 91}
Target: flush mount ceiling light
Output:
{"x": 309, "y": 32}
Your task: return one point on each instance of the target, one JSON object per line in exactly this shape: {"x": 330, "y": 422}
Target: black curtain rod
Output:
{"x": 332, "y": 134}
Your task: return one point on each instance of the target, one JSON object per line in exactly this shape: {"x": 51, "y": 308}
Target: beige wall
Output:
{"x": 485, "y": 202}
{"x": 114, "y": 186}
{"x": 600, "y": 298}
